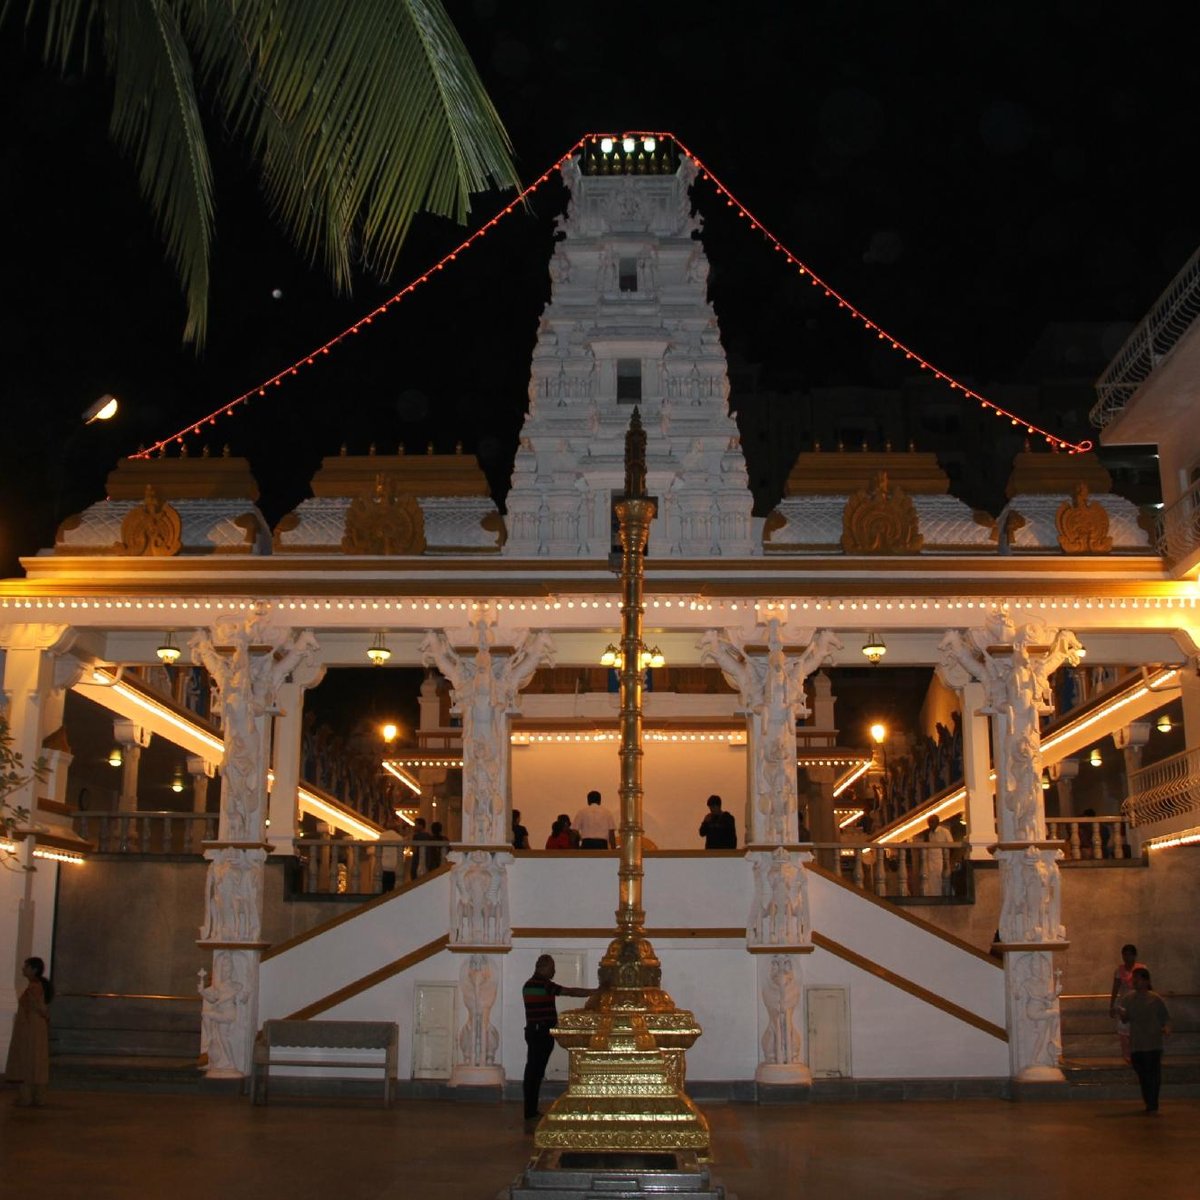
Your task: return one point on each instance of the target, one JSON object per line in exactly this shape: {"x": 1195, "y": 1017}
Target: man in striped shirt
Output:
{"x": 541, "y": 1015}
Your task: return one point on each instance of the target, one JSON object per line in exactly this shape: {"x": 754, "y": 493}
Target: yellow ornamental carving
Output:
{"x": 388, "y": 522}
{"x": 1082, "y": 525}
{"x": 881, "y": 520}
{"x": 152, "y": 531}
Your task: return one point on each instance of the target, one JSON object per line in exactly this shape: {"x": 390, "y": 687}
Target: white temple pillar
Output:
{"x": 770, "y": 686}
{"x": 487, "y": 679}
{"x": 1014, "y": 666}
{"x": 977, "y": 770}
{"x": 133, "y": 739}
{"x": 283, "y": 811}
{"x": 33, "y": 670}
{"x": 248, "y": 658}
{"x": 1063, "y": 774}
{"x": 201, "y": 771}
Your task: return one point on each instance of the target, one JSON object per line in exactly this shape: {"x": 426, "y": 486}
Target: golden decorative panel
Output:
{"x": 1082, "y": 525}
{"x": 387, "y": 522}
{"x": 154, "y": 530}
{"x": 881, "y": 520}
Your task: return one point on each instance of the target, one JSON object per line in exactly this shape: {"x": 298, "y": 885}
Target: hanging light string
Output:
{"x": 308, "y": 360}
{"x": 831, "y": 293}
{"x": 731, "y": 201}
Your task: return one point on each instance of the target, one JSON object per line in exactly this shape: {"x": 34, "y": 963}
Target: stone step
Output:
{"x": 133, "y": 1072}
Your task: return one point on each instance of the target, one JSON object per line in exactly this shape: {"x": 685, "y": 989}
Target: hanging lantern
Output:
{"x": 168, "y": 653}
{"x": 378, "y": 651}
{"x": 874, "y": 649}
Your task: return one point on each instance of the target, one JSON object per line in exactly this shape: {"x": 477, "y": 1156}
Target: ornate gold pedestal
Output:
{"x": 625, "y": 1087}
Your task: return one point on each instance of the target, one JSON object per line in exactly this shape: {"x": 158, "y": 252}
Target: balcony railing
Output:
{"x": 1165, "y": 789}
{"x": 147, "y": 832}
{"x": 1178, "y": 533}
{"x": 1153, "y": 339}
{"x": 1090, "y": 837}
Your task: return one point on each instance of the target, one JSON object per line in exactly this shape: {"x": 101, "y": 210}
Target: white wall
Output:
{"x": 26, "y": 929}
{"x": 677, "y": 780}
{"x": 893, "y": 1034}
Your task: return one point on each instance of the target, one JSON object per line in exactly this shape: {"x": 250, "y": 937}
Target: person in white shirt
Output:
{"x": 597, "y": 829}
{"x": 935, "y": 864}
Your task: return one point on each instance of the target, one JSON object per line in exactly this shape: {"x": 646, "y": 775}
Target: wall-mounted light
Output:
{"x": 378, "y": 652}
{"x": 874, "y": 649}
{"x": 1163, "y": 725}
{"x": 115, "y": 757}
{"x": 168, "y": 653}
{"x": 389, "y": 731}
{"x": 1096, "y": 758}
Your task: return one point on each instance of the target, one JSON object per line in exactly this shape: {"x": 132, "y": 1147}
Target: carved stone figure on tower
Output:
{"x": 781, "y": 1040}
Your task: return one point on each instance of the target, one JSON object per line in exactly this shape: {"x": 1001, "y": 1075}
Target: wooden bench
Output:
{"x": 332, "y": 1038}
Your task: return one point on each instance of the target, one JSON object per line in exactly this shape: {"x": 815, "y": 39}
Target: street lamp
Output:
{"x": 103, "y": 409}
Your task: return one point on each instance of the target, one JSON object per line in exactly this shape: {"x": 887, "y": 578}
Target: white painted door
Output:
{"x": 571, "y": 970}
{"x": 434, "y": 1006}
{"x": 828, "y": 1032}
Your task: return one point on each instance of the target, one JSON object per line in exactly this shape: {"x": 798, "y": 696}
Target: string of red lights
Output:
{"x": 705, "y": 173}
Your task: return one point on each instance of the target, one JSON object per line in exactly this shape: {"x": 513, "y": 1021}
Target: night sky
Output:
{"x": 967, "y": 174}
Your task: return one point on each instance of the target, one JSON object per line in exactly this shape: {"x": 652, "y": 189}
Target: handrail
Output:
{"x": 1177, "y": 530}
{"x": 1155, "y": 336}
{"x": 1164, "y": 789}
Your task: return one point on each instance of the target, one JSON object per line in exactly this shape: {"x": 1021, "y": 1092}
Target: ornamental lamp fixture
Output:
{"x": 1163, "y": 725}
{"x": 177, "y": 780}
{"x": 878, "y": 733}
{"x": 1095, "y": 758}
{"x": 168, "y": 653}
{"x": 378, "y": 651}
{"x": 653, "y": 658}
{"x": 874, "y": 649}
{"x": 612, "y": 657}
{"x": 389, "y": 731}
{"x": 115, "y": 757}
{"x": 1045, "y": 781}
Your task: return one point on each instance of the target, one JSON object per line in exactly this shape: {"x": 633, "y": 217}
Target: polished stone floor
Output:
{"x": 110, "y": 1145}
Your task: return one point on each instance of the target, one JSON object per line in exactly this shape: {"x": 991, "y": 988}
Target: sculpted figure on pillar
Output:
{"x": 234, "y": 895}
{"x": 479, "y": 1039}
{"x": 1031, "y": 897}
{"x": 1035, "y": 1039}
{"x": 771, "y": 687}
{"x": 225, "y": 1015}
{"x": 480, "y": 902}
{"x": 1014, "y": 665}
{"x": 779, "y": 916}
{"x": 486, "y": 683}
{"x": 781, "y": 1040}
{"x": 248, "y": 659}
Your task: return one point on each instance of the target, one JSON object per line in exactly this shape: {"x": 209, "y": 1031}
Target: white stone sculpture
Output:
{"x": 779, "y": 915}
{"x": 479, "y": 914}
{"x": 771, "y": 687}
{"x": 486, "y": 685}
{"x": 248, "y": 659}
{"x": 781, "y": 1040}
{"x": 1035, "y": 1046}
{"x": 225, "y": 1016}
{"x": 479, "y": 1039}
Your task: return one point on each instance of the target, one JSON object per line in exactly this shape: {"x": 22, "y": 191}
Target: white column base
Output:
{"x": 222, "y": 1073}
{"x": 794, "y": 1074}
{"x": 1041, "y": 1075}
{"x": 465, "y": 1076}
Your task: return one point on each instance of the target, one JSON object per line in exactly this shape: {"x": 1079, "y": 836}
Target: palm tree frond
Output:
{"x": 360, "y": 116}
{"x": 156, "y": 120}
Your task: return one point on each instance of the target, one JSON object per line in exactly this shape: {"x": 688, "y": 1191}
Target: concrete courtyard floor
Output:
{"x": 105, "y": 1145}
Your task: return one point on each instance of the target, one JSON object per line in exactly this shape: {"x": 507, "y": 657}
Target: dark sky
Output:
{"x": 967, "y": 174}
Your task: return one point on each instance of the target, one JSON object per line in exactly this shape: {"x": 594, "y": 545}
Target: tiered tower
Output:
{"x": 628, "y": 324}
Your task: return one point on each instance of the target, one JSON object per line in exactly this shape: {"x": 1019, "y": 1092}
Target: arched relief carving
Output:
{"x": 388, "y": 522}
{"x": 1082, "y": 525}
{"x": 881, "y": 520}
{"x": 152, "y": 531}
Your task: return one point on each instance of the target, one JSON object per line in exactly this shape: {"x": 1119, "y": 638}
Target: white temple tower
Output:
{"x": 628, "y": 324}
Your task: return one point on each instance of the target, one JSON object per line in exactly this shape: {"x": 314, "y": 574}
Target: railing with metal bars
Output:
{"x": 1152, "y": 340}
{"x": 1165, "y": 789}
{"x": 1178, "y": 528}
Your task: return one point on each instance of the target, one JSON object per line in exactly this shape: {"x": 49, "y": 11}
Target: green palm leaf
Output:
{"x": 358, "y": 116}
